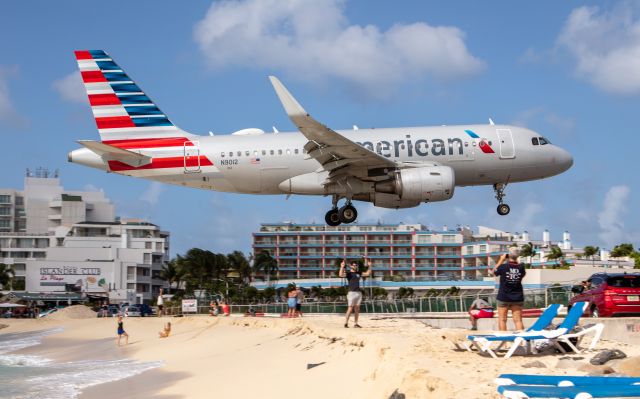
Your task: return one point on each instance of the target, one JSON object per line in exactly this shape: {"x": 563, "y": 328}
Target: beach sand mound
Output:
{"x": 72, "y": 312}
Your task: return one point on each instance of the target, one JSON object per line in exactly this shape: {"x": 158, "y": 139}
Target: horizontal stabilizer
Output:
{"x": 110, "y": 153}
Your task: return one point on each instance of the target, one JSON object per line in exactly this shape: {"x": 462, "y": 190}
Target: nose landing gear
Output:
{"x": 345, "y": 214}
{"x": 503, "y": 209}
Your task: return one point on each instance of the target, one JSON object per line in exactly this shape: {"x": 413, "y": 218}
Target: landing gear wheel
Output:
{"x": 503, "y": 209}
{"x": 348, "y": 214}
{"x": 332, "y": 217}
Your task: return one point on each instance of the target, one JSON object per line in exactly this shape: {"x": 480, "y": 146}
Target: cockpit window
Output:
{"x": 543, "y": 141}
{"x": 534, "y": 141}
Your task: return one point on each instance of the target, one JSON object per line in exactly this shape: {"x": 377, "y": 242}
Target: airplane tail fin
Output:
{"x": 122, "y": 111}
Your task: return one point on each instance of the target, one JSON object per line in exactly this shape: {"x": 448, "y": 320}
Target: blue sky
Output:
{"x": 569, "y": 70}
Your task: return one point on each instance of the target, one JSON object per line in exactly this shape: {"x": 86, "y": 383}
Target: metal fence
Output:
{"x": 446, "y": 303}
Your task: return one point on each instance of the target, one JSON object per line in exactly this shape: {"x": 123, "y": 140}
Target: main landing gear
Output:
{"x": 345, "y": 214}
{"x": 503, "y": 209}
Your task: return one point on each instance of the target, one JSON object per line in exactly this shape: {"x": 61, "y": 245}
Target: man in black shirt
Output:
{"x": 510, "y": 292}
{"x": 354, "y": 296}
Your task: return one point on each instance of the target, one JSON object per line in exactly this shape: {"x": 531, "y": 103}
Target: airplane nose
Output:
{"x": 564, "y": 159}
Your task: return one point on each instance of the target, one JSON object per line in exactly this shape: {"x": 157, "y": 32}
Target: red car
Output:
{"x": 610, "y": 294}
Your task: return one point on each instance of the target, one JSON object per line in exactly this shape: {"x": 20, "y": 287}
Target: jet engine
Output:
{"x": 422, "y": 184}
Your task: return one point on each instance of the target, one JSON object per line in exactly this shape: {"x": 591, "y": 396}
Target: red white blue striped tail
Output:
{"x": 121, "y": 109}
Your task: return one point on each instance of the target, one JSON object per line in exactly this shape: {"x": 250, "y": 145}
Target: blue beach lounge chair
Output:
{"x": 560, "y": 334}
{"x": 520, "y": 386}
{"x": 543, "y": 321}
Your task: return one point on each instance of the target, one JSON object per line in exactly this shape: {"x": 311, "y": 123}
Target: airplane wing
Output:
{"x": 111, "y": 153}
{"x": 337, "y": 154}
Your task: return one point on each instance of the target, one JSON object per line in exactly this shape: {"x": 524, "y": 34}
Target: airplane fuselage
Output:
{"x": 258, "y": 164}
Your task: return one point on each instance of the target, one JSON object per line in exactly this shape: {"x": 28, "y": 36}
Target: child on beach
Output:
{"x": 167, "y": 330}
{"x": 122, "y": 332}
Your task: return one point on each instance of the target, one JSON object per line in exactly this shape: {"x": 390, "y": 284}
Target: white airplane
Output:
{"x": 390, "y": 167}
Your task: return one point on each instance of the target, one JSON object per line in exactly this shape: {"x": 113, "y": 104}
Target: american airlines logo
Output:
{"x": 425, "y": 147}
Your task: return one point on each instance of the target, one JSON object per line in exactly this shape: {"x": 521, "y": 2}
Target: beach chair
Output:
{"x": 520, "y": 386}
{"x": 560, "y": 335}
{"x": 543, "y": 321}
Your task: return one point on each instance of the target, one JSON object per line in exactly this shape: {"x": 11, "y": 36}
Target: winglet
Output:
{"x": 291, "y": 106}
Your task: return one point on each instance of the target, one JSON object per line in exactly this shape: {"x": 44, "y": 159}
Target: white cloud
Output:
{"x": 606, "y": 46}
{"x": 91, "y": 187}
{"x": 152, "y": 194}
{"x": 314, "y": 40}
{"x": 8, "y": 113}
{"x": 611, "y": 217}
{"x": 71, "y": 88}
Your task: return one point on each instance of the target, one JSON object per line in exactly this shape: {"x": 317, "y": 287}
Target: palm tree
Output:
{"x": 590, "y": 251}
{"x": 6, "y": 275}
{"x": 173, "y": 272}
{"x": 556, "y": 254}
{"x": 266, "y": 263}
{"x": 527, "y": 251}
{"x": 239, "y": 263}
{"x": 621, "y": 250}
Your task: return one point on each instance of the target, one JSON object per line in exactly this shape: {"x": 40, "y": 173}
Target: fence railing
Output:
{"x": 434, "y": 304}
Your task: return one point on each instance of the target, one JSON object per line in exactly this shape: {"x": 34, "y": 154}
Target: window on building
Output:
{"x": 5, "y": 211}
{"x": 147, "y": 245}
{"x": 424, "y": 239}
{"x": 483, "y": 249}
{"x": 469, "y": 249}
{"x": 5, "y": 199}
{"x": 147, "y": 259}
{"x": 19, "y": 200}
{"x": 5, "y": 224}
{"x": 448, "y": 238}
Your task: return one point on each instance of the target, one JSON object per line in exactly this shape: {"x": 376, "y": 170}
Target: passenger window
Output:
{"x": 264, "y": 152}
{"x": 466, "y": 144}
{"x": 296, "y": 151}
{"x": 222, "y": 155}
{"x": 239, "y": 153}
{"x": 255, "y": 153}
{"x": 288, "y": 151}
{"x": 230, "y": 153}
{"x": 271, "y": 152}
{"x": 279, "y": 152}
{"x": 247, "y": 153}
{"x": 534, "y": 141}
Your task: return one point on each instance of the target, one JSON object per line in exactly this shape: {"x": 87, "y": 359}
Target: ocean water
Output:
{"x": 31, "y": 376}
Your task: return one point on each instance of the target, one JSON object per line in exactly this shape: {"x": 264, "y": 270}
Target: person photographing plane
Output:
{"x": 510, "y": 291}
{"x": 354, "y": 296}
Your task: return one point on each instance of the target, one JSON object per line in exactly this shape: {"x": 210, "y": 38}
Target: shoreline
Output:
{"x": 315, "y": 356}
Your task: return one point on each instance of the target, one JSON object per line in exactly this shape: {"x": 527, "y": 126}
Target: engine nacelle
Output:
{"x": 424, "y": 184}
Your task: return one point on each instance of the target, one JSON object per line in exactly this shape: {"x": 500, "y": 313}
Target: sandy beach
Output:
{"x": 314, "y": 357}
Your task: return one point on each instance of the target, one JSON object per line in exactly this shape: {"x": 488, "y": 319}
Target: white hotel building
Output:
{"x": 59, "y": 241}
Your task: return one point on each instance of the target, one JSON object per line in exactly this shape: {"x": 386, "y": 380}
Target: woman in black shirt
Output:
{"x": 510, "y": 292}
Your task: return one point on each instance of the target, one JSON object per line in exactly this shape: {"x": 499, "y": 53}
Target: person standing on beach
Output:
{"x": 292, "y": 301}
{"x": 299, "y": 300}
{"x": 160, "y": 303}
{"x": 122, "y": 332}
{"x": 510, "y": 291}
{"x": 354, "y": 296}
